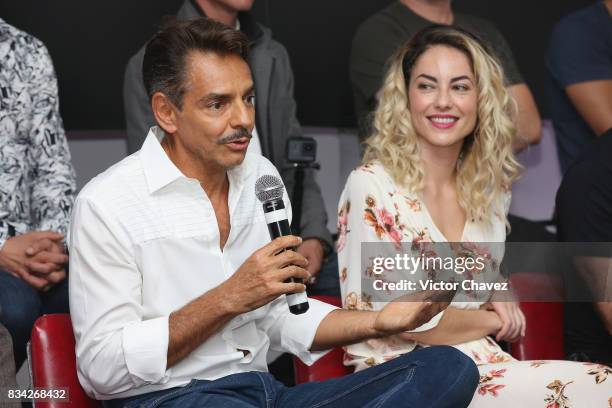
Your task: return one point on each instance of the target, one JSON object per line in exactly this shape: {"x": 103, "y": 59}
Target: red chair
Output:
{"x": 53, "y": 362}
{"x": 544, "y": 337}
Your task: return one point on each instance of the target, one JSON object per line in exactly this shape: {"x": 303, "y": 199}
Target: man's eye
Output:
{"x": 216, "y": 105}
{"x": 250, "y": 99}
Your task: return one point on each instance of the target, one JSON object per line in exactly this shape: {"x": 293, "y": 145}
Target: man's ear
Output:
{"x": 165, "y": 112}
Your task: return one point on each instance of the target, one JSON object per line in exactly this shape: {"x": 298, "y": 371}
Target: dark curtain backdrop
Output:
{"x": 90, "y": 42}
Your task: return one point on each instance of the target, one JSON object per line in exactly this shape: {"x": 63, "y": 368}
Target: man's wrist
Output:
{"x": 226, "y": 302}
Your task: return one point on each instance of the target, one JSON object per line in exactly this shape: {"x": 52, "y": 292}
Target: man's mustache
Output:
{"x": 237, "y": 135}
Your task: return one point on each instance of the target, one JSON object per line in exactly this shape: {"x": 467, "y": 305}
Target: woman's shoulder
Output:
{"x": 374, "y": 178}
{"x": 370, "y": 174}
{"x": 370, "y": 168}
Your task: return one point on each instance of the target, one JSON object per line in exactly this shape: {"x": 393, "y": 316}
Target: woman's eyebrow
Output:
{"x": 459, "y": 78}
{"x": 428, "y": 77}
{"x": 455, "y": 79}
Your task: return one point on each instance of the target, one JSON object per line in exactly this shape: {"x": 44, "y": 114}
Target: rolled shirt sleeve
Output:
{"x": 145, "y": 347}
{"x": 295, "y": 333}
{"x": 117, "y": 347}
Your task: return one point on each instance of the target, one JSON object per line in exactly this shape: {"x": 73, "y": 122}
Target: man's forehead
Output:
{"x": 217, "y": 73}
{"x": 212, "y": 63}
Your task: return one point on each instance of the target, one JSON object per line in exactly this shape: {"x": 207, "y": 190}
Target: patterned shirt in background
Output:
{"x": 37, "y": 181}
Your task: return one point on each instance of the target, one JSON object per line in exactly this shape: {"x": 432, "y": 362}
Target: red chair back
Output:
{"x": 53, "y": 362}
{"x": 327, "y": 367}
{"x": 544, "y": 336}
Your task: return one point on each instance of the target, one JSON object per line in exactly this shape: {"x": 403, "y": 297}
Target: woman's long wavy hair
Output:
{"x": 486, "y": 165}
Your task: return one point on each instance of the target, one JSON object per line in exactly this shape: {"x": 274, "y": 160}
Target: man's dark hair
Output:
{"x": 164, "y": 63}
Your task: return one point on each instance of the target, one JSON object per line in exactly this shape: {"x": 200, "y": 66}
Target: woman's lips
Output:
{"x": 443, "y": 121}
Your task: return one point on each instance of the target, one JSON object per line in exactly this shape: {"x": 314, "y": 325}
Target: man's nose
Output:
{"x": 243, "y": 115}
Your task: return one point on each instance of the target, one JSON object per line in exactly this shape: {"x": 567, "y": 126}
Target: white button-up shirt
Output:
{"x": 144, "y": 242}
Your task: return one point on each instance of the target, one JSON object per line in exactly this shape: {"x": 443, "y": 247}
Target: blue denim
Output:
{"x": 439, "y": 376}
{"x": 21, "y": 305}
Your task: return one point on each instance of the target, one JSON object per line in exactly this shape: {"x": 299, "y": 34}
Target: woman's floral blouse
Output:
{"x": 373, "y": 208}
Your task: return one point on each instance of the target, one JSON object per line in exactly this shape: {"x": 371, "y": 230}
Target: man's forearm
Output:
{"x": 593, "y": 100}
{"x": 195, "y": 322}
{"x": 528, "y": 122}
{"x": 343, "y": 327}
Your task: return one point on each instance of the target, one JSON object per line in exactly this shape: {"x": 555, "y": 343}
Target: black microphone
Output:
{"x": 269, "y": 190}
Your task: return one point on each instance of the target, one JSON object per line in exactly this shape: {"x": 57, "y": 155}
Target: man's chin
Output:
{"x": 237, "y": 159}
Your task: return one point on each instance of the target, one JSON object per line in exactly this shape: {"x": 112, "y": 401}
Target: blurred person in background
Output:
{"x": 584, "y": 214}
{"x": 579, "y": 65}
{"x": 37, "y": 187}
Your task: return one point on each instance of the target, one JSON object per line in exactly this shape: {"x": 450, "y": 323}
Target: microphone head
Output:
{"x": 268, "y": 188}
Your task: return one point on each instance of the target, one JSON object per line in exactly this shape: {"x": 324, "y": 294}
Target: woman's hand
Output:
{"x": 512, "y": 318}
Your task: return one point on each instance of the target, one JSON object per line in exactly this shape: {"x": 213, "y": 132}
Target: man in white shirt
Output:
{"x": 175, "y": 291}
{"x": 276, "y": 120}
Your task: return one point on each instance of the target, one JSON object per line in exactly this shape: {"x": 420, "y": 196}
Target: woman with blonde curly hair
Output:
{"x": 438, "y": 168}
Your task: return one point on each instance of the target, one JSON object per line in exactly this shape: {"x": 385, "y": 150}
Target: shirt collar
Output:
{"x": 160, "y": 170}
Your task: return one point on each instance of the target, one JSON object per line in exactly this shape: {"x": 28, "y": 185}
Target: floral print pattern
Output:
{"x": 384, "y": 223}
{"x": 343, "y": 225}
{"x": 600, "y": 372}
{"x": 352, "y": 301}
{"x": 486, "y": 385}
{"x": 557, "y": 399}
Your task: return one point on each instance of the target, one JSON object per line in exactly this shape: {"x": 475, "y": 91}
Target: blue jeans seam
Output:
{"x": 267, "y": 391}
{"x": 368, "y": 381}
{"x": 458, "y": 377}
{"x": 397, "y": 387}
